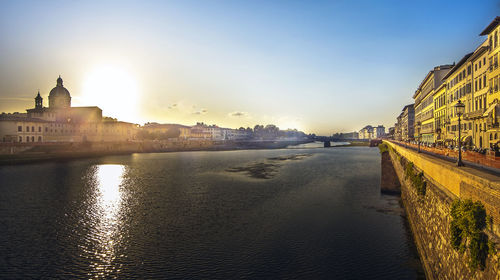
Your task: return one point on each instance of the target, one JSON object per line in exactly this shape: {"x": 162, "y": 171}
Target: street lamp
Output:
{"x": 418, "y": 131}
{"x": 459, "y": 109}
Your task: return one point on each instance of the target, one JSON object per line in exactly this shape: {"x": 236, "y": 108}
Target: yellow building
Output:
{"x": 424, "y": 103}
{"x": 458, "y": 85}
{"x": 440, "y": 114}
{"x": 492, "y": 112}
{"x": 476, "y": 103}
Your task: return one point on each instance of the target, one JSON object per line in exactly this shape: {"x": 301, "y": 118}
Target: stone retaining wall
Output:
{"x": 429, "y": 219}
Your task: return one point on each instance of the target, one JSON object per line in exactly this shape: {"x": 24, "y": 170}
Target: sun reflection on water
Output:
{"x": 106, "y": 212}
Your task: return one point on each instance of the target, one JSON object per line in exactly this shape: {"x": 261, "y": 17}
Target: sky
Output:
{"x": 317, "y": 66}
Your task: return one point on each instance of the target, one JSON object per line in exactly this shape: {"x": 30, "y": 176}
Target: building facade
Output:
{"x": 440, "y": 114}
{"x": 477, "y": 100}
{"x": 458, "y": 87}
{"x": 424, "y": 103}
{"x": 492, "y": 118}
{"x": 408, "y": 123}
{"x": 60, "y": 122}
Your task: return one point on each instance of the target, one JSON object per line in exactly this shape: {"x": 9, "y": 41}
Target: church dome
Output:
{"x": 59, "y": 96}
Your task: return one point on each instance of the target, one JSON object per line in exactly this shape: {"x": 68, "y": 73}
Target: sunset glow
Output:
{"x": 113, "y": 89}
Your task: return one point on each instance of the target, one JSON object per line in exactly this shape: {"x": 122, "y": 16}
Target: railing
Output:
{"x": 427, "y": 130}
{"x": 475, "y": 114}
{"x": 489, "y": 160}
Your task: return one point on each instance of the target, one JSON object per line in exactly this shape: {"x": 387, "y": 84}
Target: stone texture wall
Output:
{"x": 429, "y": 219}
{"x": 389, "y": 182}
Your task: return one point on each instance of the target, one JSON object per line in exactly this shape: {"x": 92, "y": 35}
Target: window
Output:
{"x": 19, "y": 128}
{"x": 46, "y": 129}
{"x": 32, "y": 129}
{"x": 39, "y": 129}
{"x": 27, "y": 129}
{"x": 27, "y": 138}
{"x": 484, "y": 81}
{"x": 39, "y": 138}
{"x": 468, "y": 70}
{"x": 32, "y": 138}
{"x": 475, "y": 66}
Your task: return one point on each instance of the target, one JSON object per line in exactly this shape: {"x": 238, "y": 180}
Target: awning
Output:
{"x": 466, "y": 138}
{"x": 487, "y": 112}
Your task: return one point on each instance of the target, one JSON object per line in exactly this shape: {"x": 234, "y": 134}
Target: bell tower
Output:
{"x": 38, "y": 101}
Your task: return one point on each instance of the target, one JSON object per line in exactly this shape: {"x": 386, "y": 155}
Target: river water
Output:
{"x": 298, "y": 213}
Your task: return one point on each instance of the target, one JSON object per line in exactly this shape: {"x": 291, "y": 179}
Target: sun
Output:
{"x": 114, "y": 90}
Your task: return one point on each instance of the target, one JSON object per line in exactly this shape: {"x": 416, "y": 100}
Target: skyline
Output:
{"x": 331, "y": 67}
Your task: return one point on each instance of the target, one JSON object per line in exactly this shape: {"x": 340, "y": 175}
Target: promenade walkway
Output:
{"x": 489, "y": 163}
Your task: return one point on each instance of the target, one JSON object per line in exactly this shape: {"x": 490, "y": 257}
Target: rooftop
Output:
{"x": 490, "y": 27}
{"x": 458, "y": 65}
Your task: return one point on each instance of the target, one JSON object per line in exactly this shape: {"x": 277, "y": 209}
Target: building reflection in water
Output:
{"x": 106, "y": 216}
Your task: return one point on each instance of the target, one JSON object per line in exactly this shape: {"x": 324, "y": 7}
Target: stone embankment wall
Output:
{"x": 429, "y": 214}
{"x": 17, "y": 153}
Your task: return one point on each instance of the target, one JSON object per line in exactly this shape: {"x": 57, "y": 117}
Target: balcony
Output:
{"x": 426, "y": 116}
{"x": 474, "y": 114}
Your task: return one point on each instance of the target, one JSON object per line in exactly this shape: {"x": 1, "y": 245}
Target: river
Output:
{"x": 299, "y": 213}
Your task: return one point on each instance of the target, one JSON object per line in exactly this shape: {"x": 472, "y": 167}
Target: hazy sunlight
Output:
{"x": 114, "y": 90}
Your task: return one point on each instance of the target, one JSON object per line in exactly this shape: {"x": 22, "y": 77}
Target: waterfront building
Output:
{"x": 440, "y": 114}
{"x": 391, "y": 132}
{"x": 168, "y": 130}
{"x": 217, "y": 133}
{"x": 407, "y": 123}
{"x": 424, "y": 103}
{"x": 372, "y": 132}
{"x": 398, "y": 127}
{"x": 366, "y": 132}
{"x": 379, "y": 131}
{"x": 476, "y": 104}
{"x": 458, "y": 85}
{"x": 60, "y": 122}
{"x": 236, "y": 134}
{"x": 492, "y": 118}
{"x": 346, "y": 136}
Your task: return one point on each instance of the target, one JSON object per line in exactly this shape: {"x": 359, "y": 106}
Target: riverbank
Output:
{"x": 25, "y": 154}
{"x": 352, "y": 144}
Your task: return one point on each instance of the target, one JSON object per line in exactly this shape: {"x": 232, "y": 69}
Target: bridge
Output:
{"x": 428, "y": 201}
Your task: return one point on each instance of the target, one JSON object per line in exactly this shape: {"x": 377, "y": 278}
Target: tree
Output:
{"x": 173, "y": 132}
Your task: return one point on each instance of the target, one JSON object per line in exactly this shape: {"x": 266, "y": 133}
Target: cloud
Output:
{"x": 200, "y": 112}
{"x": 238, "y": 114}
{"x": 173, "y": 106}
